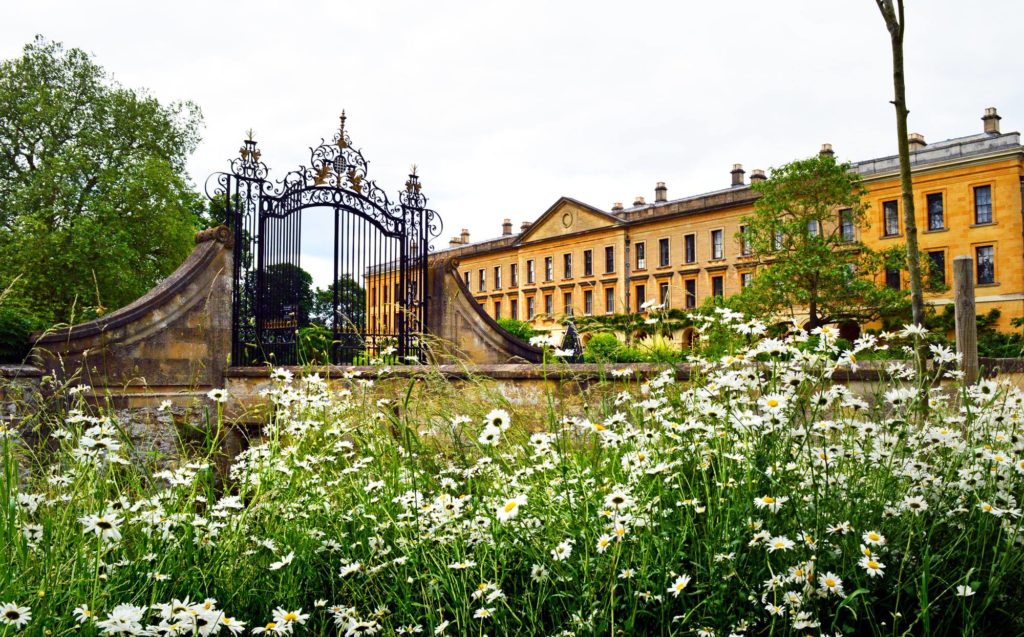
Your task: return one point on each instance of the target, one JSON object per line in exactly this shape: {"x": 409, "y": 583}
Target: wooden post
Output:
{"x": 966, "y": 319}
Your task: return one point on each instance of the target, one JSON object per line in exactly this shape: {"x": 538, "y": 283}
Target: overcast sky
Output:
{"x": 507, "y": 106}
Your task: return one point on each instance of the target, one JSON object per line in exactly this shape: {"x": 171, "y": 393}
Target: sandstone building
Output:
{"x": 578, "y": 259}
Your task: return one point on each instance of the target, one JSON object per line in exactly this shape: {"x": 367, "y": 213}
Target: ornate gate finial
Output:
{"x": 341, "y": 131}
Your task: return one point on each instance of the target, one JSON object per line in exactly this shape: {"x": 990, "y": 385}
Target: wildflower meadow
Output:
{"x": 756, "y": 497}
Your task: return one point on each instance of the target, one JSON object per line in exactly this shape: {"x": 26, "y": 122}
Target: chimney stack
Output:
{"x": 660, "y": 192}
{"x": 454, "y": 242}
{"x": 826, "y": 149}
{"x": 524, "y": 226}
{"x": 916, "y": 142}
{"x": 617, "y": 206}
{"x": 737, "y": 174}
{"x": 464, "y": 236}
{"x": 757, "y": 175}
{"x": 639, "y": 201}
{"x": 506, "y": 227}
{"x": 991, "y": 119}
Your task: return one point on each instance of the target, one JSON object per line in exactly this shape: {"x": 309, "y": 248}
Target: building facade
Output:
{"x": 576, "y": 259}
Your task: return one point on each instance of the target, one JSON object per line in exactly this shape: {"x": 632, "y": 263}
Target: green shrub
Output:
{"x": 606, "y": 348}
{"x": 315, "y": 345}
{"x": 15, "y": 327}
{"x": 520, "y": 329}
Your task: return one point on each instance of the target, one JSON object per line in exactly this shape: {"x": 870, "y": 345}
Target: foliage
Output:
{"x": 315, "y": 345}
{"x": 759, "y": 480}
{"x": 520, "y": 329}
{"x": 351, "y": 304}
{"x": 806, "y": 264}
{"x": 95, "y": 206}
{"x": 15, "y": 327}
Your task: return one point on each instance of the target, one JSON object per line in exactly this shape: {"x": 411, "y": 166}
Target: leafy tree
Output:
{"x": 806, "y": 263}
{"x": 287, "y": 294}
{"x": 95, "y": 206}
{"x": 351, "y": 304}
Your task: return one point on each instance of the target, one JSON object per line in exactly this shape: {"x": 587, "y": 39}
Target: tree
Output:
{"x": 351, "y": 305}
{"x": 807, "y": 259}
{"x": 895, "y": 23}
{"x": 95, "y": 206}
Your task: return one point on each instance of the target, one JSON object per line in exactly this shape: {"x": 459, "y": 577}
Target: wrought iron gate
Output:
{"x": 376, "y": 306}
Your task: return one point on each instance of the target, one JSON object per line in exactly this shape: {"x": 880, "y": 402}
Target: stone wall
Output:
{"x": 460, "y": 329}
{"x": 173, "y": 343}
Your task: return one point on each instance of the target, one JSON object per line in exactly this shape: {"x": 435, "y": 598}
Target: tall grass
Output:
{"x": 758, "y": 498}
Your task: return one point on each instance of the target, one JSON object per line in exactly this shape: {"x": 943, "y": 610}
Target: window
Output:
{"x": 482, "y": 280}
{"x": 531, "y": 307}
{"x": 531, "y": 272}
{"x": 986, "y": 265}
{"x": 690, "y": 248}
{"x": 938, "y": 269}
{"x": 609, "y": 259}
{"x": 549, "y": 304}
{"x": 718, "y": 285}
{"x": 717, "y": 247}
{"x": 468, "y": 284}
{"x": 513, "y": 309}
{"x": 641, "y": 256}
{"x": 744, "y": 241}
{"x": 549, "y": 268}
{"x": 663, "y": 294}
{"x": 567, "y": 266}
{"x": 588, "y": 302}
{"x": 567, "y": 303}
{"x": 890, "y": 218}
{"x": 892, "y": 278}
{"x": 846, "y": 225}
{"x": 497, "y": 277}
{"x": 982, "y": 204}
{"x": 513, "y": 274}
{"x": 588, "y": 262}
{"x": 691, "y": 293}
{"x": 609, "y": 300}
{"x": 936, "y": 217}
{"x": 777, "y": 240}
{"x": 641, "y": 297}
{"x": 812, "y": 228}
{"x": 746, "y": 279}
{"x": 497, "y": 310}
{"x": 663, "y": 259}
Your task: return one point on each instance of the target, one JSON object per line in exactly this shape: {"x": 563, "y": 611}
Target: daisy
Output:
{"x": 964, "y": 591}
{"x": 442, "y": 626}
{"x": 489, "y": 436}
{"x": 510, "y": 508}
{"x": 562, "y": 552}
{"x": 104, "y": 526}
{"x": 289, "y": 617}
{"x": 538, "y": 573}
{"x": 603, "y": 543}
{"x": 285, "y": 561}
{"x": 218, "y": 395}
{"x": 13, "y": 615}
{"x": 271, "y": 627}
{"x": 773, "y": 402}
{"x": 779, "y": 543}
{"x": 679, "y": 585}
{"x": 831, "y": 583}
{"x": 770, "y": 503}
{"x": 499, "y": 418}
{"x": 915, "y": 504}
{"x": 873, "y": 567}
{"x": 618, "y": 500}
{"x": 627, "y": 573}
{"x": 233, "y": 625}
{"x": 874, "y": 538}
{"x": 483, "y": 613}
{"x": 82, "y": 614}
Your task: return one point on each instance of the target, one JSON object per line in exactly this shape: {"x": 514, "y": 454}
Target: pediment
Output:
{"x": 567, "y": 216}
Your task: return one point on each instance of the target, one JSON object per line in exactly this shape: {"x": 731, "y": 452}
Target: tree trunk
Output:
{"x": 896, "y": 24}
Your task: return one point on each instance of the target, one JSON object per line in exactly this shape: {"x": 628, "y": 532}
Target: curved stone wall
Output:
{"x": 460, "y": 330}
{"x": 173, "y": 341}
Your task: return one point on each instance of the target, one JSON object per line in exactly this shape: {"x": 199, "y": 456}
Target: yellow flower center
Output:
{"x": 512, "y": 504}
{"x": 829, "y": 582}
{"x": 290, "y": 617}
{"x": 872, "y": 564}
{"x": 768, "y": 499}
{"x": 772, "y": 402}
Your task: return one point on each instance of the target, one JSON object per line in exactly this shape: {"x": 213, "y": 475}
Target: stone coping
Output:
{"x": 20, "y": 371}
